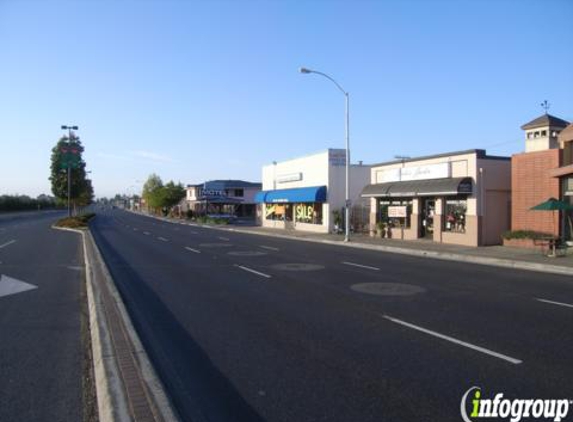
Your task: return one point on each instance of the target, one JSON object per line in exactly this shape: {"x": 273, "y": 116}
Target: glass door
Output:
{"x": 427, "y": 218}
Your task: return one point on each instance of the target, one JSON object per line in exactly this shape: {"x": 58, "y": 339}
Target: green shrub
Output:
{"x": 77, "y": 222}
{"x": 522, "y": 234}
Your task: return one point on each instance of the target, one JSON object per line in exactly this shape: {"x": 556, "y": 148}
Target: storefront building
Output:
{"x": 460, "y": 198}
{"x": 308, "y": 193}
{"x": 541, "y": 173}
{"x": 222, "y": 197}
{"x": 565, "y": 176}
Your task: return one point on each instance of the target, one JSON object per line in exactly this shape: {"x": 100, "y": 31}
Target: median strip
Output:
{"x": 360, "y": 266}
{"x": 567, "y": 305}
{"x": 455, "y": 341}
{"x": 192, "y": 250}
{"x": 253, "y": 271}
{"x": 7, "y": 243}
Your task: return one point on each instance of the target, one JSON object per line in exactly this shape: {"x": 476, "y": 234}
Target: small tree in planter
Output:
{"x": 381, "y": 228}
{"x": 337, "y": 218}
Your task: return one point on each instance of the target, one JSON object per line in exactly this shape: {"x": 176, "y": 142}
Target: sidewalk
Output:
{"x": 503, "y": 256}
{"x": 500, "y": 256}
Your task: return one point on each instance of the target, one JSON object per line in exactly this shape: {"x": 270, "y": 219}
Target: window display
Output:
{"x": 455, "y": 215}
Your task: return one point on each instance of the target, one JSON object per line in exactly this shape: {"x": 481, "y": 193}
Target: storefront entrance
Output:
{"x": 428, "y": 208}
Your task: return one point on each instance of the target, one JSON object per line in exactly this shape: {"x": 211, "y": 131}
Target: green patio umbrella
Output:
{"x": 552, "y": 204}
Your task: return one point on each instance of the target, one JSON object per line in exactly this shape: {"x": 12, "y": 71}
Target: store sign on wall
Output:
{"x": 292, "y": 177}
{"x": 337, "y": 158}
{"x": 434, "y": 171}
{"x": 431, "y": 171}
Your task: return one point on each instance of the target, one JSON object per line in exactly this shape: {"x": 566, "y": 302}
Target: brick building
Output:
{"x": 533, "y": 175}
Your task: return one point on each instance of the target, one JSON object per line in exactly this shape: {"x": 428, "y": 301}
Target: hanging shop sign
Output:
{"x": 397, "y": 211}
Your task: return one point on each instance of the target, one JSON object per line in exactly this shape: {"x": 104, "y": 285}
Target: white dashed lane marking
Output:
{"x": 455, "y": 341}
{"x": 253, "y": 271}
{"x": 7, "y": 243}
{"x": 567, "y": 305}
{"x": 368, "y": 267}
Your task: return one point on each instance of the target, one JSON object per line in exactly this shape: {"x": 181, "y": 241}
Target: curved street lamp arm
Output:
{"x": 328, "y": 77}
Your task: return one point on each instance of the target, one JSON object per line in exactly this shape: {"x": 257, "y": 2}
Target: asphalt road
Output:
{"x": 252, "y": 328}
{"x": 40, "y": 336}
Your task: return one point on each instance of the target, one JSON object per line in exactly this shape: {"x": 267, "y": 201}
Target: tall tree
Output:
{"x": 153, "y": 192}
{"x": 173, "y": 194}
{"x": 68, "y": 153}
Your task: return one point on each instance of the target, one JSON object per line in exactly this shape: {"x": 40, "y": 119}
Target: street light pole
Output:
{"x": 347, "y": 133}
{"x": 69, "y": 128}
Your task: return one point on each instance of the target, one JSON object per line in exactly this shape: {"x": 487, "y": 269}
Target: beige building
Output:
{"x": 460, "y": 198}
{"x": 308, "y": 193}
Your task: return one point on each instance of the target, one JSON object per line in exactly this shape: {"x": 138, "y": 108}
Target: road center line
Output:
{"x": 455, "y": 341}
{"x": 146, "y": 233}
{"x": 270, "y": 248}
{"x": 253, "y": 271}
{"x": 567, "y": 305}
{"x": 162, "y": 239}
{"x": 192, "y": 250}
{"x": 226, "y": 239}
{"x": 360, "y": 266}
{"x": 7, "y": 243}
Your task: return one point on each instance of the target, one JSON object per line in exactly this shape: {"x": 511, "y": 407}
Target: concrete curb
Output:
{"x": 112, "y": 401}
{"x": 444, "y": 256}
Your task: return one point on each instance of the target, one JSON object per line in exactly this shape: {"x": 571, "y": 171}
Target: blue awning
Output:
{"x": 310, "y": 194}
{"x": 260, "y": 196}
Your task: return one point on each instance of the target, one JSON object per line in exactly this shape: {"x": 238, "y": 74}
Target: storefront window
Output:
{"x": 275, "y": 211}
{"x": 396, "y": 213}
{"x": 455, "y": 215}
{"x": 309, "y": 213}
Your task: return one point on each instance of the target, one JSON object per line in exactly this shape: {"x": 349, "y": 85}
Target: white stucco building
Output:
{"x": 305, "y": 193}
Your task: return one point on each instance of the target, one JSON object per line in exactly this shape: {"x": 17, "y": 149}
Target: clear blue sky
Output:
{"x": 199, "y": 90}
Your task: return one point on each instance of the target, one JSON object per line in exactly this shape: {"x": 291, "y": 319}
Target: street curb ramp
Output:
{"x": 127, "y": 386}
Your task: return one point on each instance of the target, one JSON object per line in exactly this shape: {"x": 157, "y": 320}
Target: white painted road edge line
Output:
{"x": 455, "y": 341}
{"x": 253, "y": 271}
{"x": 162, "y": 239}
{"x": 360, "y": 265}
{"x": 270, "y": 248}
{"x": 7, "y": 243}
{"x": 192, "y": 250}
{"x": 567, "y": 305}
